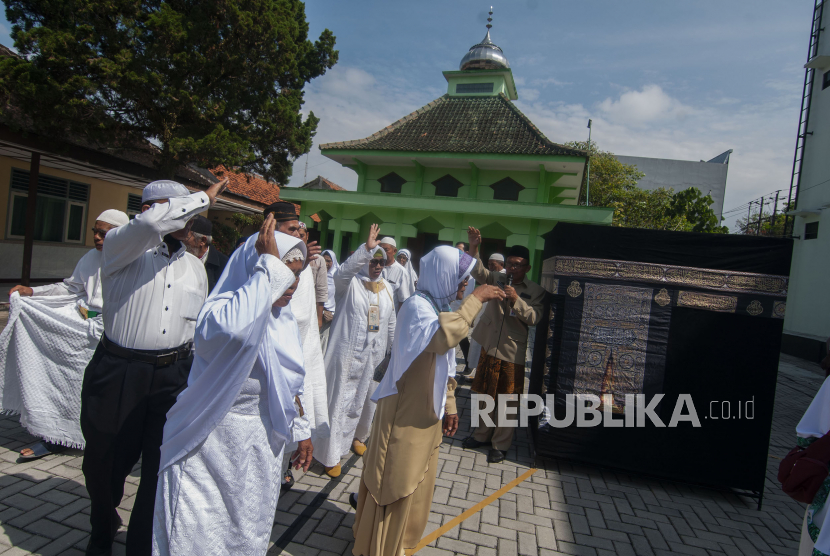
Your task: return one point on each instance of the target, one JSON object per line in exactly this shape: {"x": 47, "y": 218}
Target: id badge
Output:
{"x": 374, "y": 318}
{"x": 512, "y": 312}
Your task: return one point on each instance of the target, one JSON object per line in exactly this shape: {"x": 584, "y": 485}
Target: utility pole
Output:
{"x": 760, "y": 216}
{"x": 774, "y": 211}
{"x": 748, "y": 216}
{"x": 305, "y": 174}
{"x": 588, "y": 170}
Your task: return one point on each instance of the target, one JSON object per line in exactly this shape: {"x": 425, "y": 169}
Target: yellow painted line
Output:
{"x": 469, "y": 513}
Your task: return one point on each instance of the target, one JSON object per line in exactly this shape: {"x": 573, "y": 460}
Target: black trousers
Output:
{"x": 465, "y": 349}
{"x": 124, "y": 405}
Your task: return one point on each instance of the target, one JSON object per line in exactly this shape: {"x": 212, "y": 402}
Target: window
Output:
{"x": 391, "y": 183}
{"x": 133, "y": 205}
{"x": 474, "y": 88}
{"x": 447, "y": 186}
{"x": 60, "y": 213}
{"x": 811, "y": 230}
{"x": 825, "y": 80}
{"x": 506, "y": 190}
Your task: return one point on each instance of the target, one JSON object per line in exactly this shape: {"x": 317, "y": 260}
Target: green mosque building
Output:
{"x": 468, "y": 158}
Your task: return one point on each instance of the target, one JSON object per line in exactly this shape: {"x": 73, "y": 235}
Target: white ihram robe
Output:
{"x": 221, "y": 459}
{"x": 44, "y": 350}
{"x": 353, "y": 354}
{"x": 314, "y": 423}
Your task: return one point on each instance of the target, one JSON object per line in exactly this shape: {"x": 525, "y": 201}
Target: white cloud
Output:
{"x": 653, "y": 123}
{"x": 550, "y": 81}
{"x": 352, "y": 104}
{"x": 650, "y": 121}
{"x": 644, "y": 106}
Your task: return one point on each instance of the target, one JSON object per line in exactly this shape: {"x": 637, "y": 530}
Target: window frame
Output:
{"x": 68, "y": 203}
{"x": 399, "y": 186}
{"x": 811, "y": 234}
{"x": 132, "y": 213}
{"x": 825, "y": 80}
{"x": 450, "y": 176}
{"x": 508, "y": 178}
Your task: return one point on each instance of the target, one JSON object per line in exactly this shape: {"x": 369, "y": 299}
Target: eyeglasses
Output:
{"x": 376, "y": 262}
{"x": 514, "y": 266}
{"x": 99, "y": 232}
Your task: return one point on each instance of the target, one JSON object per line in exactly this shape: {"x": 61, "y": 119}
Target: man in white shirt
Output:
{"x": 153, "y": 291}
{"x": 41, "y": 381}
{"x": 395, "y": 274}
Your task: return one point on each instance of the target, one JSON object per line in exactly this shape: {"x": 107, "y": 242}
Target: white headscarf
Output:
{"x": 364, "y": 272}
{"x": 442, "y": 269}
{"x": 413, "y": 277}
{"x": 330, "y": 305}
{"x": 217, "y": 377}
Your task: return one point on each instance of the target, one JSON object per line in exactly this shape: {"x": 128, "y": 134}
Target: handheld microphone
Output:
{"x": 509, "y": 279}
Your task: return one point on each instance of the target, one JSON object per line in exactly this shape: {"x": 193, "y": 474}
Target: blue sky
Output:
{"x": 670, "y": 79}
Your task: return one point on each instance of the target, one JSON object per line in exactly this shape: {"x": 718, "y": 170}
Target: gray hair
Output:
{"x": 208, "y": 238}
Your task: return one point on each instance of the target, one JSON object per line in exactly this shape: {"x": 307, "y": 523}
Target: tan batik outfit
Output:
{"x": 503, "y": 339}
{"x": 400, "y": 464}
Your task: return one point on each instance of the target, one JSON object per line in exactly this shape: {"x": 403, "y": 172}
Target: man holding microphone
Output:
{"x": 502, "y": 334}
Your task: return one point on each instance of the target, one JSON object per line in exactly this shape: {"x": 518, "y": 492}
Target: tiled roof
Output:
{"x": 462, "y": 125}
{"x": 251, "y": 186}
{"x": 322, "y": 183}
{"x": 333, "y": 185}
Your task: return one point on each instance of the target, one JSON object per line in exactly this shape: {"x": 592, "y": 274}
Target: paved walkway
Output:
{"x": 560, "y": 509}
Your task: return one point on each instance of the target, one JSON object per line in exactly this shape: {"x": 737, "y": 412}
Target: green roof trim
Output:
{"x": 511, "y": 209}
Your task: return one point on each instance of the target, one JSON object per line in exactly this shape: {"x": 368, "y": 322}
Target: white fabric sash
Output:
{"x": 44, "y": 351}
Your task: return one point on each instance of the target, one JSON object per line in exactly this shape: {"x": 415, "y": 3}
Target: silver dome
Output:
{"x": 484, "y": 55}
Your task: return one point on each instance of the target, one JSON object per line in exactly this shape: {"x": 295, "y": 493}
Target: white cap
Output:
{"x": 163, "y": 189}
{"x": 389, "y": 241}
{"x": 114, "y": 217}
{"x": 496, "y": 257}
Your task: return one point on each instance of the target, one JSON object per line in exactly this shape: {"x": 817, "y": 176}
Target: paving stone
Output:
{"x": 32, "y": 515}
{"x": 480, "y": 539}
{"x": 459, "y": 547}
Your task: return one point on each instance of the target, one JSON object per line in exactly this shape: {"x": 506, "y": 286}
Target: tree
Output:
{"x": 697, "y": 210}
{"x": 614, "y": 184}
{"x": 207, "y": 82}
{"x": 771, "y": 225}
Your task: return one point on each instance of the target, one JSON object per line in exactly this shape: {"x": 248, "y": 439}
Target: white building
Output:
{"x": 708, "y": 176}
{"x": 807, "y": 321}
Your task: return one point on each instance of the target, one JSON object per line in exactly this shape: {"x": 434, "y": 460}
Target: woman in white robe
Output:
{"x": 223, "y": 444}
{"x": 355, "y": 352}
{"x": 314, "y": 423}
{"x": 331, "y": 305}
{"x": 404, "y": 258}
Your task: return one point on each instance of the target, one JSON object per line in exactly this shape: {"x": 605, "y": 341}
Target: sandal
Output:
{"x": 40, "y": 449}
{"x": 288, "y": 479}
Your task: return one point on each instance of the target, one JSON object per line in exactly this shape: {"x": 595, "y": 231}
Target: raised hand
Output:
{"x": 266, "y": 243}
{"x": 214, "y": 190}
{"x": 372, "y": 240}
{"x": 473, "y": 236}
{"x": 511, "y": 294}
{"x": 312, "y": 249}
{"x": 488, "y": 293}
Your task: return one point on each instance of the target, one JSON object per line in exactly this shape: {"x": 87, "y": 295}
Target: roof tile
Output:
{"x": 465, "y": 125}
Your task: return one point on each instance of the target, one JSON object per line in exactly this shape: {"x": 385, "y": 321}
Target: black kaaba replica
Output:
{"x": 673, "y": 339}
